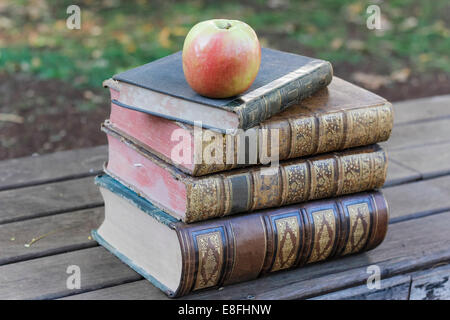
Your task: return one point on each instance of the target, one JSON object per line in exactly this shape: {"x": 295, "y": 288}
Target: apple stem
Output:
{"x": 223, "y": 25}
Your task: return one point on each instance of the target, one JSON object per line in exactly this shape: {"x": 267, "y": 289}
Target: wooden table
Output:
{"x": 52, "y": 199}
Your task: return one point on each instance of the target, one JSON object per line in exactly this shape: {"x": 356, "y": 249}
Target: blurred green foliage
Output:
{"x": 117, "y": 35}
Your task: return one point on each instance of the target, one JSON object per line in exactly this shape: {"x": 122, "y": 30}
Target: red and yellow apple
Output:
{"x": 221, "y": 58}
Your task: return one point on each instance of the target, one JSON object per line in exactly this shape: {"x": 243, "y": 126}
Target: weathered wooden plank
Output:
{"x": 418, "y": 198}
{"x": 53, "y": 234}
{"x": 409, "y": 245}
{"x": 431, "y": 284}
{"x": 429, "y": 161}
{"x": 428, "y": 284}
{"x": 138, "y": 290}
{"x": 420, "y": 110}
{"x": 398, "y": 174}
{"x": 57, "y": 166}
{"x": 395, "y": 288}
{"x": 46, "y": 278}
{"x": 43, "y": 200}
{"x": 419, "y": 134}
{"x": 402, "y": 251}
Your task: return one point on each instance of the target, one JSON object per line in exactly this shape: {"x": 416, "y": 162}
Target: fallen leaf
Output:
{"x": 401, "y": 75}
{"x": 371, "y": 81}
{"x": 9, "y": 117}
{"x": 408, "y": 23}
{"x": 355, "y": 45}
{"x": 163, "y": 37}
{"x": 337, "y": 43}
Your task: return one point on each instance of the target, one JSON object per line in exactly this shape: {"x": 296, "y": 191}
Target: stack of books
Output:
{"x": 201, "y": 193}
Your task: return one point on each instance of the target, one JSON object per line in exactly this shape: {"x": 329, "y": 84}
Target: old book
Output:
{"x": 179, "y": 258}
{"x": 337, "y": 117}
{"x": 241, "y": 190}
{"x": 159, "y": 88}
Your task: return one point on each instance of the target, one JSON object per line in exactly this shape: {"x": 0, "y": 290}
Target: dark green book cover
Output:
{"x": 283, "y": 79}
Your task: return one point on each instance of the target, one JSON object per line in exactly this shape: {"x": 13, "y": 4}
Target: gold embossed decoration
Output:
{"x": 303, "y": 136}
{"x": 323, "y": 180}
{"x": 380, "y": 169}
{"x": 331, "y": 132}
{"x": 363, "y": 127}
{"x": 386, "y": 122}
{"x": 359, "y": 215}
{"x": 210, "y": 259}
{"x": 352, "y": 173}
{"x": 288, "y": 241}
{"x": 203, "y": 199}
{"x": 268, "y": 188}
{"x": 324, "y": 234}
{"x": 297, "y": 180}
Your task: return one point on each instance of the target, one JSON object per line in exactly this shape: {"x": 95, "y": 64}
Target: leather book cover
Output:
{"x": 283, "y": 80}
{"x": 243, "y": 190}
{"x": 337, "y": 117}
{"x": 220, "y": 252}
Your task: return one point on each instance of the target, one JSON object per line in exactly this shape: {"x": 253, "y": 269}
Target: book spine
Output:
{"x": 294, "y": 181}
{"x": 283, "y": 93}
{"x": 230, "y": 250}
{"x": 326, "y": 132}
{"x": 315, "y": 134}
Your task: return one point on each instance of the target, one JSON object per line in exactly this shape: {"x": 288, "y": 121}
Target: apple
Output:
{"x": 221, "y": 58}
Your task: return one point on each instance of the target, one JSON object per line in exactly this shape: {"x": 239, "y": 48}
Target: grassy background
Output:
{"x": 117, "y": 35}
{"x": 50, "y": 76}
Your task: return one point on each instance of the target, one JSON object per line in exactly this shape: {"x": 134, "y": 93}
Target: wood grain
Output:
{"x": 421, "y": 110}
{"x": 21, "y": 172}
{"x": 395, "y": 288}
{"x": 53, "y": 234}
{"x": 429, "y": 161}
{"x": 51, "y": 198}
{"x": 431, "y": 285}
{"x": 418, "y": 199}
{"x": 138, "y": 290}
{"x": 46, "y": 278}
{"x": 418, "y": 135}
{"x": 398, "y": 174}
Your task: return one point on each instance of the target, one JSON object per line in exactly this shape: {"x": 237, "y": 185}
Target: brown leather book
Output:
{"x": 337, "y": 117}
{"x": 179, "y": 258}
{"x": 242, "y": 190}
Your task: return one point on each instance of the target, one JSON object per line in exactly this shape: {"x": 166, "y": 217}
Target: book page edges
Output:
{"x": 131, "y": 264}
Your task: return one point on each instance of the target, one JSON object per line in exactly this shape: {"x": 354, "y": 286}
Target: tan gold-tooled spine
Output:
{"x": 205, "y": 198}
{"x": 315, "y": 133}
{"x": 291, "y": 182}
